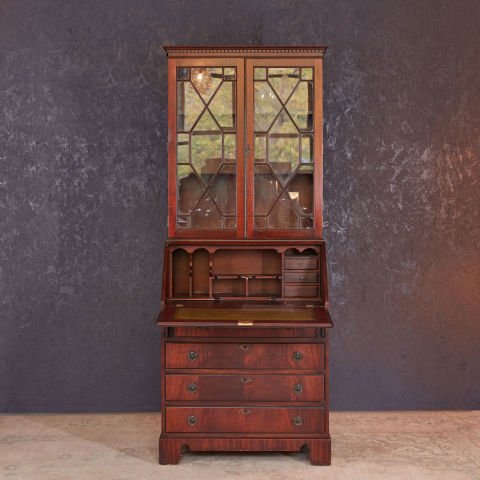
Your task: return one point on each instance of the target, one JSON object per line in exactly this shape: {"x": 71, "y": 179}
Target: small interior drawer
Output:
{"x": 301, "y": 263}
{"x": 307, "y": 291}
{"x": 301, "y": 277}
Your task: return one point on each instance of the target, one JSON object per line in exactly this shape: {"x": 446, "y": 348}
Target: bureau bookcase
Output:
{"x": 244, "y": 320}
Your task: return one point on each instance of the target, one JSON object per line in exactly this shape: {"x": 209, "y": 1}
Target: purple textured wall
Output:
{"x": 83, "y": 193}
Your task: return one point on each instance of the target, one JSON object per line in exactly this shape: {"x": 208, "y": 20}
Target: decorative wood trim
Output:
{"x": 245, "y": 50}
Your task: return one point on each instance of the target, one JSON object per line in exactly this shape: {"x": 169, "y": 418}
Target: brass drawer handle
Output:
{"x": 297, "y": 388}
{"x": 246, "y": 380}
{"x": 246, "y": 411}
{"x": 192, "y": 420}
{"x": 244, "y": 347}
{"x": 192, "y": 387}
{"x": 297, "y": 356}
{"x": 192, "y": 356}
{"x": 298, "y": 421}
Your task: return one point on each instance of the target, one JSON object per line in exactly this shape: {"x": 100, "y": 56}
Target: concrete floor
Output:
{"x": 382, "y": 445}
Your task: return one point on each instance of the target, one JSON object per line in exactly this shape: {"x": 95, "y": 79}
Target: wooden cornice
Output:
{"x": 245, "y": 51}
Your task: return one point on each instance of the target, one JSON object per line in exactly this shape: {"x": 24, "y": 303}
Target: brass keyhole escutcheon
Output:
{"x": 297, "y": 388}
{"x": 298, "y": 421}
{"x": 192, "y": 356}
{"x": 245, "y": 379}
{"x": 192, "y": 387}
{"x": 192, "y": 420}
{"x": 246, "y": 411}
{"x": 244, "y": 347}
{"x": 297, "y": 356}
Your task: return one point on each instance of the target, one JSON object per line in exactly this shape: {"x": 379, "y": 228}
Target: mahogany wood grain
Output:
{"x": 245, "y": 355}
{"x": 246, "y": 332}
{"x": 251, "y": 419}
{"x": 266, "y": 388}
{"x": 171, "y": 449}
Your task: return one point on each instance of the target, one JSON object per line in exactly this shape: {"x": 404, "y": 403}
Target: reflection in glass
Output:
{"x": 267, "y": 106}
{"x": 300, "y": 106}
{"x": 266, "y": 189}
{"x": 283, "y": 214}
{"x": 283, "y": 80}
{"x": 260, "y": 148}
{"x": 189, "y": 106}
{"x": 283, "y": 155}
{"x": 223, "y": 105}
{"x": 283, "y": 109}
{"x": 206, "y": 171}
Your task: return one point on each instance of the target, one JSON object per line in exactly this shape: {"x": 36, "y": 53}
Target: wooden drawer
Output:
{"x": 301, "y": 291}
{"x": 245, "y": 419}
{"x": 264, "y": 388}
{"x": 301, "y": 263}
{"x": 301, "y": 277}
{"x": 245, "y": 355}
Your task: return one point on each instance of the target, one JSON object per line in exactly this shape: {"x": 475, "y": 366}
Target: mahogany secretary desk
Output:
{"x": 244, "y": 320}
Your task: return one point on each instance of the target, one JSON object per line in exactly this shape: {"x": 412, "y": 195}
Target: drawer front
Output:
{"x": 301, "y": 291}
{"x": 245, "y": 355}
{"x": 265, "y": 388}
{"x": 301, "y": 277}
{"x": 245, "y": 419}
{"x": 301, "y": 263}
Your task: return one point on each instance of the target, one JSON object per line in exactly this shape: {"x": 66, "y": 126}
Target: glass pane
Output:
{"x": 183, "y": 148}
{"x": 223, "y": 189}
{"x": 306, "y": 222}
{"x": 223, "y": 105}
{"x": 260, "y": 148}
{"x": 206, "y": 215}
{"x": 283, "y": 215}
{"x": 229, "y": 73}
{"x": 206, "y": 80}
{"x": 183, "y": 73}
{"x": 283, "y": 124}
{"x": 229, "y": 148}
{"x": 300, "y": 190}
{"x": 267, "y": 189}
{"x": 260, "y": 222}
{"x": 189, "y": 189}
{"x": 189, "y": 106}
{"x": 284, "y": 180}
{"x": 307, "y": 149}
{"x": 260, "y": 73}
{"x": 206, "y": 154}
{"x": 283, "y": 156}
{"x": 283, "y": 81}
{"x": 300, "y": 106}
{"x": 267, "y": 106}
{"x": 307, "y": 73}
{"x": 206, "y": 123}
{"x": 229, "y": 222}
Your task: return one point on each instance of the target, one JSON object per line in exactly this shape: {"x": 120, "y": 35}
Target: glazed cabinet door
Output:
{"x": 206, "y": 140}
{"x": 284, "y": 148}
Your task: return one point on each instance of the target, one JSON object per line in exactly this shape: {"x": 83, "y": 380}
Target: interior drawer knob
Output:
{"x": 298, "y": 421}
{"x": 297, "y": 356}
{"x": 244, "y": 347}
{"x": 297, "y": 388}
{"x": 192, "y": 356}
{"x": 192, "y": 387}
{"x": 192, "y": 420}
